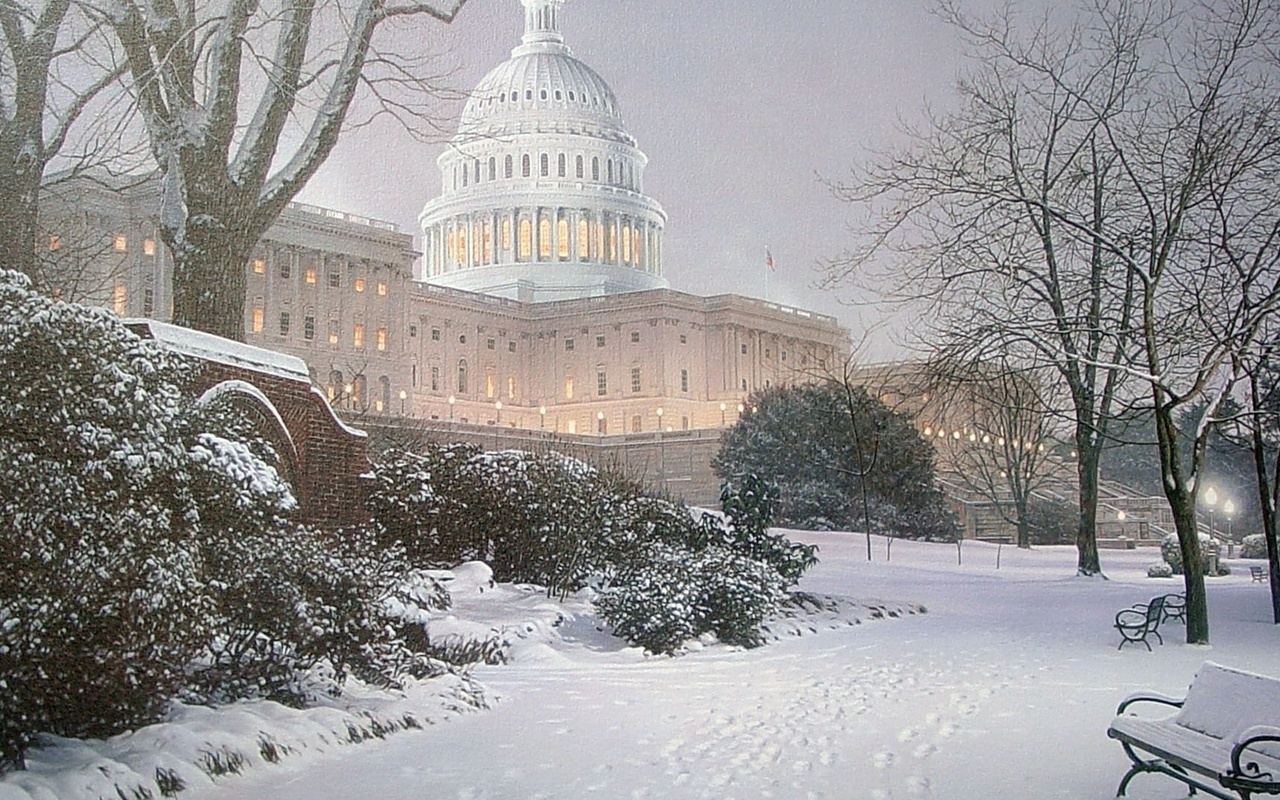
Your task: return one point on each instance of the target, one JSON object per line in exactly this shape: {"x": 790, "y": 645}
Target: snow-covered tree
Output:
{"x": 56, "y": 58}
{"x": 101, "y": 605}
{"x": 814, "y": 440}
{"x": 243, "y": 101}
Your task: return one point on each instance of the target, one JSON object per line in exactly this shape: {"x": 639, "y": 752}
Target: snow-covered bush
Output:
{"x": 656, "y": 601}
{"x": 1160, "y": 570}
{"x": 100, "y": 600}
{"x": 1171, "y": 551}
{"x": 749, "y": 507}
{"x": 1253, "y": 546}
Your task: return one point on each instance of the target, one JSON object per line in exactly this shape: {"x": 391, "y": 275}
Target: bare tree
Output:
{"x": 966, "y": 210}
{"x": 296, "y": 67}
{"x": 1004, "y": 455}
{"x": 55, "y": 61}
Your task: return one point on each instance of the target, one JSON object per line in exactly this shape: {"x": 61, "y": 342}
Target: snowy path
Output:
{"x": 1003, "y": 690}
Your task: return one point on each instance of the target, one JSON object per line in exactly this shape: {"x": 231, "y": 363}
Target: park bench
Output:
{"x": 1224, "y": 738}
{"x": 1142, "y": 620}
{"x": 1258, "y": 574}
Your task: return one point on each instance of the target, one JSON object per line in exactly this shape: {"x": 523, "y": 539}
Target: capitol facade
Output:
{"x": 537, "y": 299}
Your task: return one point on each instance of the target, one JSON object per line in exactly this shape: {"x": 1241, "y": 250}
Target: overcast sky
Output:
{"x": 741, "y": 106}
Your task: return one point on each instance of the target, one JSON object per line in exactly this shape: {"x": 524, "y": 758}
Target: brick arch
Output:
{"x": 266, "y": 419}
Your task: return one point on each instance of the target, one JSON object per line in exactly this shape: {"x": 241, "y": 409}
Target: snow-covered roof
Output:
{"x": 222, "y": 351}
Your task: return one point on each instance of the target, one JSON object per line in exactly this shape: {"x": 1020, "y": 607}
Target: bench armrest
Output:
{"x": 1131, "y": 617}
{"x": 1248, "y": 769}
{"x": 1149, "y": 697}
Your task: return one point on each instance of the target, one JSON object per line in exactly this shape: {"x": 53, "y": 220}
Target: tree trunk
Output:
{"x": 1184, "y": 520}
{"x": 1024, "y": 529}
{"x": 20, "y": 193}
{"x": 210, "y": 254}
{"x": 1089, "y": 456}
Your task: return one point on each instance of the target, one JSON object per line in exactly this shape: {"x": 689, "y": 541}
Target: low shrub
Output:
{"x": 1171, "y": 551}
{"x": 1253, "y": 546}
{"x": 1160, "y": 570}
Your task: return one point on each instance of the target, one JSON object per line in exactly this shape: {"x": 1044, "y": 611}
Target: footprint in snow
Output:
{"x": 907, "y": 734}
{"x": 883, "y": 759}
{"x": 924, "y": 751}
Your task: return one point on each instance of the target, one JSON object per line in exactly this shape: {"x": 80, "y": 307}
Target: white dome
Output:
{"x": 542, "y": 194}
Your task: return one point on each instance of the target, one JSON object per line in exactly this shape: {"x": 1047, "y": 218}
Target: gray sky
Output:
{"x": 740, "y": 106}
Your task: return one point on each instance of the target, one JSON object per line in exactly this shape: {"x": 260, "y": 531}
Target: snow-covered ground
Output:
{"x": 1003, "y": 689}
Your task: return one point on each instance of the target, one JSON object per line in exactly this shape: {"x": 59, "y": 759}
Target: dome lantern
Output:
{"x": 542, "y": 22}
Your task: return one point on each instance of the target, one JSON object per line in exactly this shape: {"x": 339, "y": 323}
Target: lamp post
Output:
{"x": 1229, "y": 508}
{"x": 722, "y": 408}
{"x": 497, "y": 406}
{"x": 403, "y": 396}
{"x": 662, "y": 454}
{"x": 600, "y": 422}
{"x": 346, "y": 394}
{"x": 1211, "y": 500}
{"x": 452, "y": 400}
{"x": 542, "y": 418}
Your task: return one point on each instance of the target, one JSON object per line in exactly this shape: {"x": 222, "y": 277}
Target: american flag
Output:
{"x": 768, "y": 260}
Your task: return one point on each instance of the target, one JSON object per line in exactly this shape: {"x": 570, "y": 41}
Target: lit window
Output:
{"x": 506, "y": 234}
{"x": 602, "y": 383}
{"x": 568, "y": 344}
{"x": 488, "y": 242}
{"x": 562, "y": 236}
{"x": 149, "y": 247}
{"x": 333, "y": 330}
{"x": 568, "y": 388}
{"x": 511, "y": 388}
{"x": 308, "y": 327}
{"x": 359, "y": 284}
{"x": 120, "y": 299}
{"x": 626, "y": 244}
{"x": 488, "y": 385}
{"x": 583, "y": 233}
{"x": 357, "y": 335}
{"x": 544, "y": 238}
{"x": 382, "y": 338}
{"x": 258, "y": 315}
{"x": 284, "y": 323}
{"x": 311, "y": 276}
{"x": 382, "y": 288}
{"x": 526, "y": 238}
{"x": 613, "y": 242}
{"x": 635, "y": 379}
{"x": 121, "y": 243}
{"x": 259, "y": 266}
{"x": 55, "y": 242}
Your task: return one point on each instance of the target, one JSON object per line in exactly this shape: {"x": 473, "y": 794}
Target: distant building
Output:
{"x": 538, "y": 300}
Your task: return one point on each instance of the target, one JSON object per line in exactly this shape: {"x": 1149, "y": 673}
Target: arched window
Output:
{"x": 506, "y": 235}
{"x": 526, "y": 239}
{"x": 526, "y": 168}
{"x": 595, "y": 168}
{"x": 360, "y": 391}
{"x": 464, "y": 176}
{"x": 488, "y": 242}
{"x": 637, "y": 240}
{"x": 584, "y": 229}
{"x": 509, "y": 170}
{"x": 477, "y": 171}
{"x": 613, "y": 241}
{"x": 610, "y": 166}
{"x": 544, "y": 238}
{"x": 383, "y": 403}
{"x": 578, "y": 167}
{"x": 545, "y": 165}
{"x": 493, "y": 168}
{"x": 626, "y": 244}
{"x": 335, "y": 385}
{"x": 562, "y": 238}
{"x": 562, "y": 165}
{"x": 462, "y": 376}
{"x": 528, "y": 94}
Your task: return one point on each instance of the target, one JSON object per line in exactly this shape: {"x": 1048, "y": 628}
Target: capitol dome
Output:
{"x": 542, "y": 192}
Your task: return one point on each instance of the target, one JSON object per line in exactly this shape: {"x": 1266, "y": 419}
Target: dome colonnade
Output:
{"x": 542, "y": 188}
